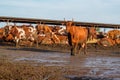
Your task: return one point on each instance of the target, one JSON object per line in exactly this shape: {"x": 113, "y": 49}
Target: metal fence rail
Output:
{"x": 55, "y": 22}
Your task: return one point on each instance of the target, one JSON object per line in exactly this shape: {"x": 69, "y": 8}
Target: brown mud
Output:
{"x": 101, "y": 63}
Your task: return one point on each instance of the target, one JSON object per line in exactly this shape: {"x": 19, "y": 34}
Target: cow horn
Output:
{"x": 72, "y": 20}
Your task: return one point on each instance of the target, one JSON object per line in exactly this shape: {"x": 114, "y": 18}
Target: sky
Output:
{"x": 101, "y": 11}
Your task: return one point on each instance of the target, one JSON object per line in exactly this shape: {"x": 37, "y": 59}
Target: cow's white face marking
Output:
{"x": 21, "y": 33}
{"x": 62, "y": 30}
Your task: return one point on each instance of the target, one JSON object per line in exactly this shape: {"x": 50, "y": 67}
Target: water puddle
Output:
{"x": 74, "y": 77}
{"x": 102, "y": 62}
{"x": 98, "y": 66}
{"x": 50, "y": 59}
{"x": 103, "y": 66}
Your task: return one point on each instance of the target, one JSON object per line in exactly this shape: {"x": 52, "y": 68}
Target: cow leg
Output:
{"x": 85, "y": 48}
{"x": 73, "y": 49}
{"x": 17, "y": 43}
{"x": 79, "y": 48}
{"x": 37, "y": 43}
{"x": 72, "y": 52}
{"x": 36, "y": 39}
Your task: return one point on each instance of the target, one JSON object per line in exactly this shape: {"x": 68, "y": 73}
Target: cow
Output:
{"x": 93, "y": 33}
{"x": 8, "y": 35}
{"x": 43, "y": 32}
{"x": 117, "y": 41}
{"x": 18, "y": 33}
{"x": 2, "y": 34}
{"x": 21, "y": 34}
{"x": 30, "y": 32}
{"x": 114, "y": 34}
{"x": 47, "y": 34}
{"x": 9, "y": 38}
{"x": 77, "y": 37}
{"x": 106, "y": 42}
{"x": 112, "y": 38}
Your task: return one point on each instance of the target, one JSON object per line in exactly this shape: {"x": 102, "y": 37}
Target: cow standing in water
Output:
{"x": 77, "y": 37}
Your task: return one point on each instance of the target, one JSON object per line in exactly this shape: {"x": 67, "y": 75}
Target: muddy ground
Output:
{"x": 101, "y": 63}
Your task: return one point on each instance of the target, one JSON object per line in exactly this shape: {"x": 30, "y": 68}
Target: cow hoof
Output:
{"x": 85, "y": 53}
{"x": 72, "y": 54}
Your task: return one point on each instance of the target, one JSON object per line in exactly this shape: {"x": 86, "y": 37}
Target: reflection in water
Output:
{"x": 47, "y": 59}
{"x": 103, "y": 66}
{"x": 102, "y": 62}
{"x": 41, "y": 60}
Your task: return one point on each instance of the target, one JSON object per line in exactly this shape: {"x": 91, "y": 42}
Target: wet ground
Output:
{"x": 100, "y": 62}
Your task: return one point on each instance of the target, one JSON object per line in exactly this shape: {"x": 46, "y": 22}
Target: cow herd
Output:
{"x": 76, "y": 36}
{"x": 28, "y": 34}
{"x": 111, "y": 38}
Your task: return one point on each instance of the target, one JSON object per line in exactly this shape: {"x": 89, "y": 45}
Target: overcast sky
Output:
{"x": 102, "y": 11}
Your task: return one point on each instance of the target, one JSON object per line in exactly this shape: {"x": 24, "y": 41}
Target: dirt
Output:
{"x": 101, "y": 63}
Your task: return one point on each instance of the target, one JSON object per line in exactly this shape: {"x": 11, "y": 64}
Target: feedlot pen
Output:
{"x": 54, "y": 62}
{"x": 101, "y": 63}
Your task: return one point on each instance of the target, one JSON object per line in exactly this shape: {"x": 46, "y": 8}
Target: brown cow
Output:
{"x": 92, "y": 34}
{"x": 114, "y": 34}
{"x": 8, "y": 35}
{"x": 2, "y": 34}
{"x": 112, "y": 38}
{"x": 106, "y": 42}
{"x": 9, "y": 38}
{"x": 77, "y": 37}
{"x": 117, "y": 41}
{"x": 46, "y": 32}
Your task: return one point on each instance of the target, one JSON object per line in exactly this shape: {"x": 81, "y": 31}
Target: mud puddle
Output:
{"x": 48, "y": 59}
{"x": 100, "y": 66}
{"x": 103, "y": 66}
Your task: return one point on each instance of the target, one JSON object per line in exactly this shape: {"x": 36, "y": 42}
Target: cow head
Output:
{"x": 69, "y": 24}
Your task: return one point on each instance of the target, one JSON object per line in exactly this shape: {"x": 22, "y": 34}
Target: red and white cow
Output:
{"x": 30, "y": 32}
{"x": 47, "y": 34}
{"x": 18, "y": 33}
